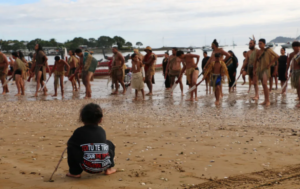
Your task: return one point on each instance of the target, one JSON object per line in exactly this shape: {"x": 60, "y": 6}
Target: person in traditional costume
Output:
{"x": 117, "y": 71}
{"x": 73, "y": 63}
{"x": 216, "y": 49}
{"x": 174, "y": 69}
{"x": 19, "y": 73}
{"x": 249, "y": 66}
{"x": 216, "y": 70}
{"x": 21, "y": 57}
{"x": 88, "y": 65}
{"x": 150, "y": 62}
{"x": 59, "y": 73}
{"x": 265, "y": 58}
{"x": 166, "y": 76}
{"x": 294, "y": 63}
{"x": 282, "y": 65}
{"x": 204, "y": 62}
{"x": 244, "y": 72}
{"x": 232, "y": 65}
{"x": 39, "y": 67}
{"x": 138, "y": 76}
{"x": 191, "y": 70}
{"x": 3, "y": 72}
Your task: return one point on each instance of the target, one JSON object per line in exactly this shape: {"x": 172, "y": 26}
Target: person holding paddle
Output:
{"x": 264, "y": 59}
{"x": 59, "y": 73}
{"x": 149, "y": 61}
{"x": 294, "y": 62}
{"x": 173, "y": 69}
{"x": 88, "y": 64}
{"x": 191, "y": 70}
{"x": 38, "y": 68}
{"x": 216, "y": 70}
{"x": 3, "y": 72}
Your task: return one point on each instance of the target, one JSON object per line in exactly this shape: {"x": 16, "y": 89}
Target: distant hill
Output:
{"x": 281, "y": 39}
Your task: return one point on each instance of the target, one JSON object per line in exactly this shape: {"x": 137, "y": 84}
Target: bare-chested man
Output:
{"x": 3, "y": 71}
{"x": 59, "y": 73}
{"x": 73, "y": 63}
{"x": 39, "y": 67}
{"x": 149, "y": 61}
{"x": 221, "y": 52}
{"x": 294, "y": 63}
{"x": 248, "y": 65}
{"x": 173, "y": 69}
{"x": 191, "y": 69}
{"x": 265, "y": 57}
{"x": 216, "y": 70}
{"x": 117, "y": 70}
{"x": 88, "y": 65}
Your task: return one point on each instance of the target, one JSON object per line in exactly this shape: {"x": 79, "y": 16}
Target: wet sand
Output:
{"x": 163, "y": 142}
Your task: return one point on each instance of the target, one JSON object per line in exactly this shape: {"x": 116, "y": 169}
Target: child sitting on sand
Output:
{"x": 217, "y": 70}
{"x": 88, "y": 149}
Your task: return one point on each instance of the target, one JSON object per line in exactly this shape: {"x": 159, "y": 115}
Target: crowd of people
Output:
{"x": 260, "y": 64}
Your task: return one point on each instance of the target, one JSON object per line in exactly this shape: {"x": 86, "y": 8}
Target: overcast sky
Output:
{"x": 180, "y": 23}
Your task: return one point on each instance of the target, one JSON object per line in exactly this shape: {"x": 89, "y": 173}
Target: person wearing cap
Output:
{"x": 149, "y": 61}
{"x": 294, "y": 62}
{"x": 264, "y": 59}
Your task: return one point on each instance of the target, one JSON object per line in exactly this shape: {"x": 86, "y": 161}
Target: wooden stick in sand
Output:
{"x": 45, "y": 84}
{"x": 6, "y": 82}
{"x": 236, "y": 80}
{"x": 62, "y": 155}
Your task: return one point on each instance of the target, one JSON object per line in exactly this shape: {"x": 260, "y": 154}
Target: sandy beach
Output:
{"x": 163, "y": 142}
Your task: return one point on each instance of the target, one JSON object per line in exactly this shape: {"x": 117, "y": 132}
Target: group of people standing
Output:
{"x": 260, "y": 65}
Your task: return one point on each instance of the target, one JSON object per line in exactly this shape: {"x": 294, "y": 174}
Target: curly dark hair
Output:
{"x": 91, "y": 114}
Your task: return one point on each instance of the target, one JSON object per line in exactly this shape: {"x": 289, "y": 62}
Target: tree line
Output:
{"x": 101, "y": 42}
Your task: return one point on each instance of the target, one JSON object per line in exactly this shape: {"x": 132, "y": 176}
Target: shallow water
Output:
{"x": 239, "y": 99}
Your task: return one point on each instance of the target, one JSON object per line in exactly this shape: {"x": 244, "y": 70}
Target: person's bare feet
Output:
{"x": 263, "y": 103}
{"x": 217, "y": 103}
{"x": 110, "y": 171}
{"x": 73, "y": 176}
{"x": 298, "y": 105}
{"x": 255, "y": 98}
{"x": 19, "y": 94}
{"x": 86, "y": 97}
{"x": 182, "y": 94}
{"x": 297, "y": 99}
{"x": 268, "y": 103}
{"x": 191, "y": 99}
{"x": 36, "y": 94}
{"x": 114, "y": 93}
{"x": 62, "y": 96}
{"x": 244, "y": 83}
{"x": 4, "y": 93}
{"x": 124, "y": 92}
{"x": 135, "y": 99}
{"x": 55, "y": 95}
{"x": 196, "y": 99}
{"x": 149, "y": 94}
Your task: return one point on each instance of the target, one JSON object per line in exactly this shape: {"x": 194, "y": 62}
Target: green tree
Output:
{"x": 139, "y": 44}
{"x": 120, "y": 41}
{"x": 128, "y": 44}
{"x": 105, "y": 41}
{"x": 92, "y": 42}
